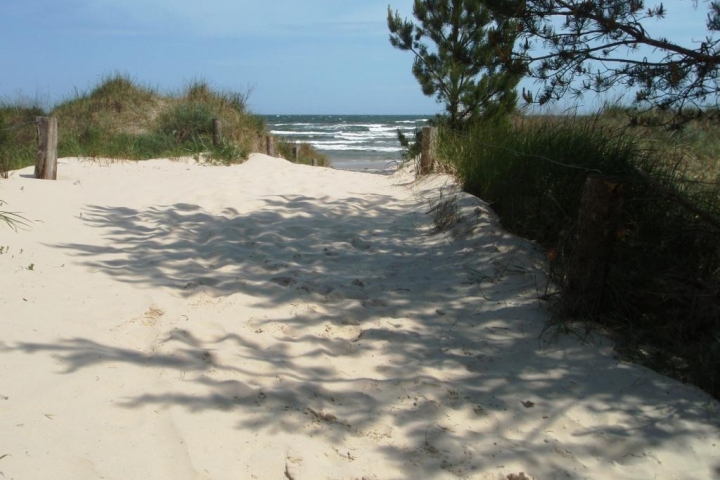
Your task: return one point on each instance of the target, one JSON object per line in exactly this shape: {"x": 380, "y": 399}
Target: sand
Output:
{"x": 170, "y": 320}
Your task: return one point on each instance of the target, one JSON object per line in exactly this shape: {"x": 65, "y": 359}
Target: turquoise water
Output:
{"x": 353, "y": 142}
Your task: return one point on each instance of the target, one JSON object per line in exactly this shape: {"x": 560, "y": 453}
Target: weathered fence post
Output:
{"x": 296, "y": 153}
{"x": 314, "y": 162}
{"x": 46, "y": 160}
{"x": 427, "y": 157}
{"x": 597, "y": 230}
{"x": 217, "y": 131}
{"x": 270, "y": 145}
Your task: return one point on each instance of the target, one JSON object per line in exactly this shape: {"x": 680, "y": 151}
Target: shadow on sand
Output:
{"x": 447, "y": 327}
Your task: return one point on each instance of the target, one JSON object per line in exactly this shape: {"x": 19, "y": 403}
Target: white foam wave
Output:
{"x": 366, "y": 136}
{"x": 359, "y": 149}
{"x": 382, "y": 128}
{"x": 348, "y": 138}
{"x": 296, "y": 132}
{"x": 337, "y": 142}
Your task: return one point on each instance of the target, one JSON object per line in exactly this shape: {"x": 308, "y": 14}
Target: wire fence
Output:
{"x": 18, "y": 126}
{"x": 670, "y": 192}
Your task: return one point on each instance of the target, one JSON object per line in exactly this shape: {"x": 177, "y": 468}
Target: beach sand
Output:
{"x": 170, "y": 320}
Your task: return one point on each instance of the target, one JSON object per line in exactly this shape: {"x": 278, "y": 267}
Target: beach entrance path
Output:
{"x": 171, "y": 320}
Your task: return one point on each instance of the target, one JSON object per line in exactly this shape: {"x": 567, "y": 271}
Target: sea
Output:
{"x": 351, "y": 142}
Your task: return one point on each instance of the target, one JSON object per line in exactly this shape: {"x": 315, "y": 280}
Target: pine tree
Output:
{"x": 460, "y": 54}
{"x": 577, "y": 46}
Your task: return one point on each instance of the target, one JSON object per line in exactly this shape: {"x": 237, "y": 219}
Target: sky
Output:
{"x": 294, "y": 56}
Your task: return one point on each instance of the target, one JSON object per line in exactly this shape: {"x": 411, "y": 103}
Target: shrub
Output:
{"x": 663, "y": 290}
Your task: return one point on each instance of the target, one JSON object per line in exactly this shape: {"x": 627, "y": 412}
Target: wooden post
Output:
{"x": 597, "y": 230}
{"x": 427, "y": 157}
{"x": 296, "y": 153}
{"x": 270, "y": 143}
{"x": 217, "y": 132}
{"x": 46, "y": 159}
{"x": 314, "y": 162}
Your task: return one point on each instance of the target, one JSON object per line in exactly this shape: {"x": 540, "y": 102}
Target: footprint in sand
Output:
{"x": 360, "y": 244}
{"x": 374, "y": 303}
{"x": 150, "y": 318}
{"x": 143, "y": 329}
{"x": 284, "y": 281}
{"x": 288, "y": 331}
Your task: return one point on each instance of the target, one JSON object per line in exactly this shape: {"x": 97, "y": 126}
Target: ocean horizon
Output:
{"x": 351, "y": 142}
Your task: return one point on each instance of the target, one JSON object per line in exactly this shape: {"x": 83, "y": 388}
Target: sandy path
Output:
{"x": 272, "y": 321}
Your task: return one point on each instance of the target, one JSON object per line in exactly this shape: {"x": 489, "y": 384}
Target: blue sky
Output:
{"x": 298, "y": 56}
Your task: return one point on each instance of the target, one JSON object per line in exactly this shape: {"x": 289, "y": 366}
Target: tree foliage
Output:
{"x": 575, "y": 46}
{"x": 458, "y": 47}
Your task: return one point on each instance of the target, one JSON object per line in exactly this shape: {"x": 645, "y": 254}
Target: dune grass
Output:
{"x": 306, "y": 153}
{"x": 662, "y": 300}
{"x": 119, "y": 118}
{"x": 18, "y": 144}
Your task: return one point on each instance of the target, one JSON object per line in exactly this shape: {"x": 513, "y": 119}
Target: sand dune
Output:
{"x": 169, "y": 320}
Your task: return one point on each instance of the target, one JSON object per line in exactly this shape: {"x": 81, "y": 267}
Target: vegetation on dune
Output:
{"x": 18, "y": 145}
{"x": 662, "y": 297}
{"x": 121, "y": 119}
{"x": 306, "y": 154}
